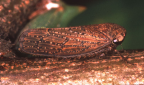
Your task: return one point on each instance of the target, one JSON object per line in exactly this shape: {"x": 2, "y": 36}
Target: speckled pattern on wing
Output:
{"x": 70, "y": 41}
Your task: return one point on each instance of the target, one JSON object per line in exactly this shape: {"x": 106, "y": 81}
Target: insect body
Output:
{"x": 72, "y": 41}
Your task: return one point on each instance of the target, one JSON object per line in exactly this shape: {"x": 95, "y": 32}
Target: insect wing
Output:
{"x": 62, "y": 42}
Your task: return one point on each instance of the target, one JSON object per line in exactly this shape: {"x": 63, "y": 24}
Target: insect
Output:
{"x": 72, "y": 41}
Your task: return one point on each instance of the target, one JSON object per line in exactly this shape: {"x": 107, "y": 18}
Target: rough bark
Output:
{"x": 74, "y": 71}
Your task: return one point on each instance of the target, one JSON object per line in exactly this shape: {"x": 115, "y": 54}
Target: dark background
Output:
{"x": 127, "y": 13}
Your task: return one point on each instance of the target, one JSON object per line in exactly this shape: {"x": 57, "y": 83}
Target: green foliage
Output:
{"x": 128, "y": 14}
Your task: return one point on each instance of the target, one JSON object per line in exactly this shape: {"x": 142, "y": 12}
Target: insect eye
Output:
{"x": 115, "y": 40}
{"x": 118, "y": 40}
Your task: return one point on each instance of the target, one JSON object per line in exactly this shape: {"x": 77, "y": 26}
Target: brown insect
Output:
{"x": 72, "y": 41}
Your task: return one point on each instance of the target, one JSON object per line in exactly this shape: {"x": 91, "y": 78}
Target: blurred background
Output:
{"x": 17, "y": 15}
{"x": 127, "y": 13}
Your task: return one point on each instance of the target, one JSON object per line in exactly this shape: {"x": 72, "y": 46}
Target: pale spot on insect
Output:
{"x": 56, "y": 32}
{"x": 78, "y": 40}
{"x": 37, "y": 47}
{"x": 64, "y": 37}
{"x": 58, "y": 35}
{"x": 70, "y": 38}
{"x": 66, "y": 70}
{"x": 50, "y": 52}
{"x": 50, "y": 48}
{"x": 86, "y": 30}
{"x": 51, "y": 42}
{"x": 63, "y": 33}
{"x": 85, "y": 34}
{"x": 71, "y": 31}
{"x": 66, "y": 28}
{"x": 68, "y": 34}
{"x": 75, "y": 32}
{"x": 59, "y": 44}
